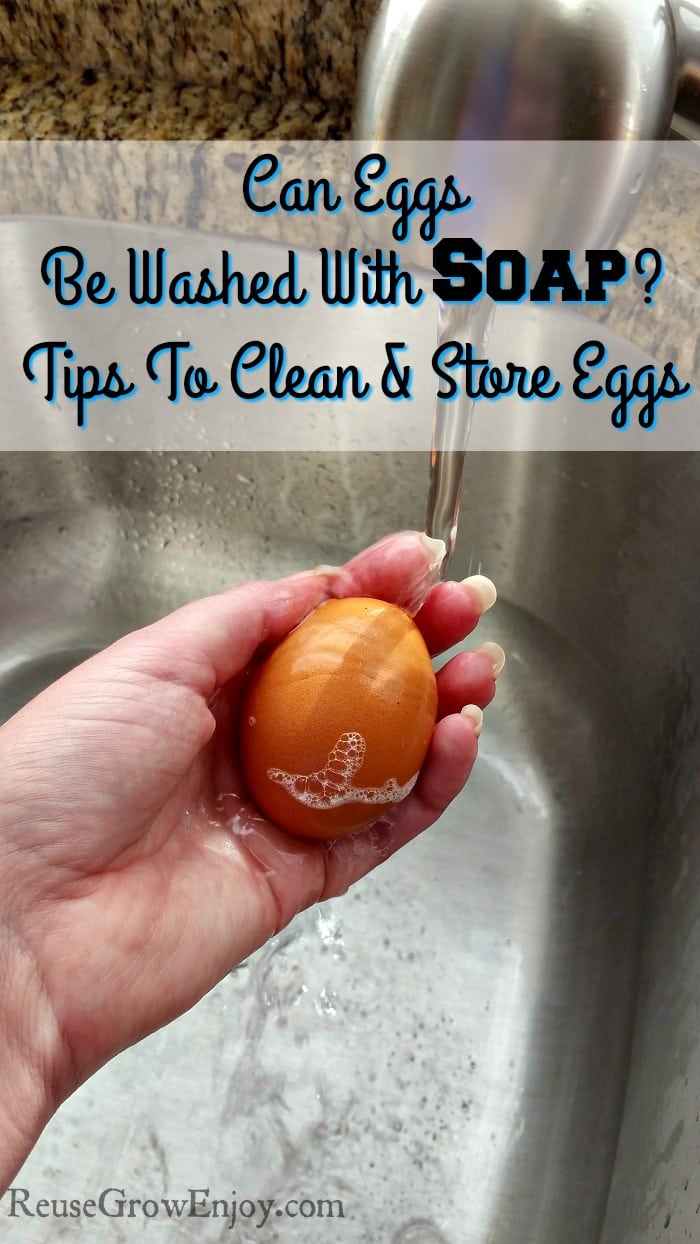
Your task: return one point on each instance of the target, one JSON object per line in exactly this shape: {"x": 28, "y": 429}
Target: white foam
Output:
{"x": 331, "y": 787}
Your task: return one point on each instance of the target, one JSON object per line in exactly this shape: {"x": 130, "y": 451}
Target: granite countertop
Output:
{"x": 191, "y": 69}
{"x": 275, "y": 70}
{"x": 40, "y": 101}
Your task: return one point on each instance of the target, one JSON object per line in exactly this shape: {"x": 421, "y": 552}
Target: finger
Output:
{"x": 469, "y": 678}
{"x": 208, "y": 642}
{"x": 400, "y": 568}
{"x": 450, "y": 761}
{"x": 452, "y": 610}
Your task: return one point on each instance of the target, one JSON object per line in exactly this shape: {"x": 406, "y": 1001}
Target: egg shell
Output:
{"x": 337, "y": 720}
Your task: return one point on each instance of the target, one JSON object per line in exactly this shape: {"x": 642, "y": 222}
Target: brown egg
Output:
{"x": 337, "y": 720}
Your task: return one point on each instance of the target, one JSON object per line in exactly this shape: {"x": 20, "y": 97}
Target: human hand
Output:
{"x": 134, "y": 871}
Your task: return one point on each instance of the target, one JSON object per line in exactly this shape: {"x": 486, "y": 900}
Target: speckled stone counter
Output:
{"x": 308, "y": 48}
{"x": 37, "y": 101}
{"x": 189, "y": 69}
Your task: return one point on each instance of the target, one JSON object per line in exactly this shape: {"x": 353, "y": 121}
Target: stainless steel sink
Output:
{"x": 494, "y": 1039}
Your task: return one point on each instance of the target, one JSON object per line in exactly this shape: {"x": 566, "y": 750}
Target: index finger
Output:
{"x": 207, "y": 643}
{"x": 452, "y": 611}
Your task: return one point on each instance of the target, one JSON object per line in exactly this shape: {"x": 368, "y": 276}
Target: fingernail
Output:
{"x": 474, "y": 714}
{"x": 485, "y": 590}
{"x": 436, "y": 548}
{"x": 496, "y": 656}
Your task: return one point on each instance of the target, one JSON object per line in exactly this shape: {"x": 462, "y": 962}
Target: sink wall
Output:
{"x": 553, "y": 929}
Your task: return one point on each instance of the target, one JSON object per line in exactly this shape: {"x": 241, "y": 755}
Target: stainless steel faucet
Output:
{"x": 603, "y": 72}
{"x": 616, "y": 75}
{"x": 531, "y": 69}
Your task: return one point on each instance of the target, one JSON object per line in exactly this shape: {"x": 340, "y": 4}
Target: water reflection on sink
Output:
{"x": 452, "y": 1048}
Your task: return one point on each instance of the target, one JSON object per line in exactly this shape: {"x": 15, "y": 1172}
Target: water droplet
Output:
{"x": 327, "y": 1002}
{"x": 330, "y": 931}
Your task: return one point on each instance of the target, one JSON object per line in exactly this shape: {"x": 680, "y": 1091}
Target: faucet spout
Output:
{"x": 610, "y": 75}
{"x": 687, "y": 115}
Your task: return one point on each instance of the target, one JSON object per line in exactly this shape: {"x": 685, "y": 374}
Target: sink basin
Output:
{"x": 494, "y": 1039}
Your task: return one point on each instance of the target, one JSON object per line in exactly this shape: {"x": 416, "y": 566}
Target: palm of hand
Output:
{"x": 145, "y": 873}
